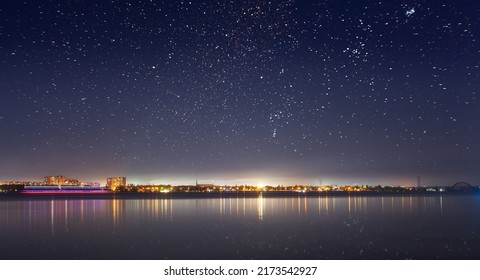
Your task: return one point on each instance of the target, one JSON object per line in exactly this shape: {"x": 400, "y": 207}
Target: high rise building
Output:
{"x": 54, "y": 180}
{"x": 115, "y": 182}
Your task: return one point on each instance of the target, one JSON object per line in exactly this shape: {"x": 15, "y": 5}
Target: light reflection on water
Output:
{"x": 57, "y": 212}
{"x": 235, "y": 227}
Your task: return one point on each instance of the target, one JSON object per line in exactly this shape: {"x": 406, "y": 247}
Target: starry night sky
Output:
{"x": 257, "y": 92}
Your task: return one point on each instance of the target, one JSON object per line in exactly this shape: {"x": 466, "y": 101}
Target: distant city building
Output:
{"x": 115, "y": 182}
{"x": 54, "y": 180}
{"x": 60, "y": 181}
{"x": 71, "y": 182}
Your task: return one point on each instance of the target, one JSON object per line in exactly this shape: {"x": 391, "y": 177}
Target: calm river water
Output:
{"x": 252, "y": 226}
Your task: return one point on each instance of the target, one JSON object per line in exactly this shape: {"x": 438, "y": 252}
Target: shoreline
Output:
{"x": 210, "y": 195}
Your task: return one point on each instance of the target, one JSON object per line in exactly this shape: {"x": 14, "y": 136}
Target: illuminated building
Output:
{"x": 71, "y": 182}
{"x": 54, "y": 180}
{"x": 115, "y": 182}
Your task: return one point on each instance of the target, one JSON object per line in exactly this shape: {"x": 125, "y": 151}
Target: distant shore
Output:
{"x": 227, "y": 195}
{"x": 213, "y": 190}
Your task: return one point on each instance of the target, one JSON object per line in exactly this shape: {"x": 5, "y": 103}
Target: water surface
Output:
{"x": 252, "y": 226}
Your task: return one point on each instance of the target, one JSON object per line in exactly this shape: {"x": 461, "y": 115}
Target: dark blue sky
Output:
{"x": 268, "y": 92}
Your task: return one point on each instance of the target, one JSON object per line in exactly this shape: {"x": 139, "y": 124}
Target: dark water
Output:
{"x": 270, "y": 226}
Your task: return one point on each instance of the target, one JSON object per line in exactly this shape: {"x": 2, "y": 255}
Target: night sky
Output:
{"x": 256, "y": 92}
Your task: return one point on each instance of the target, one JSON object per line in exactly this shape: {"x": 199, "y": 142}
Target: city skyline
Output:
{"x": 252, "y": 92}
{"x": 114, "y": 182}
